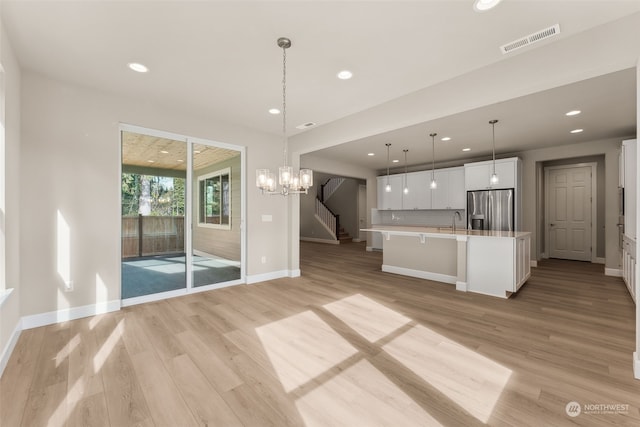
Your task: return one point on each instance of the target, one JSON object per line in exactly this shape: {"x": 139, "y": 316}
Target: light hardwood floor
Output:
{"x": 343, "y": 345}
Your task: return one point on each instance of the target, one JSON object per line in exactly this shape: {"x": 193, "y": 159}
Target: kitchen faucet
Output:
{"x": 453, "y": 222}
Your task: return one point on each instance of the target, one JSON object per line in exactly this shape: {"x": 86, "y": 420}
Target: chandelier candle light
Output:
{"x": 290, "y": 182}
{"x": 494, "y": 175}
{"x": 433, "y": 184}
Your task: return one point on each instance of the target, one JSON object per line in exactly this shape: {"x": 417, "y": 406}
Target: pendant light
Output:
{"x": 433, "y": 184}
{"x": 406, "y": 187}
{"x": 387, "y": 187}
{"x": 291, "y": 182}
{"x": 494, "y": 176}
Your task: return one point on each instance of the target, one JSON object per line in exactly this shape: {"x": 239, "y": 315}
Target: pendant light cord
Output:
{"x": 284, "y": 103}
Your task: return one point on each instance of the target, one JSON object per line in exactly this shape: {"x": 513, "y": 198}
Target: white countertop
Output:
{"x": 442, "y": 232}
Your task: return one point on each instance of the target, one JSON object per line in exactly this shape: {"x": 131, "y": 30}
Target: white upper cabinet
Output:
{"x": 450, "y": 192}
{"x": 419, "y": 196}
{"x": 477, "y": 175}
{"x": 390, "y": 200}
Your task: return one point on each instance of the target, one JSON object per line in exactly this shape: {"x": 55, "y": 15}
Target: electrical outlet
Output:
{"x": 263, "y": 259}
{"x": 68, "y": 286}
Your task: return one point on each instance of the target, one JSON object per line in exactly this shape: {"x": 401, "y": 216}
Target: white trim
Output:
{"x": 615, "y": 272}
{"x": 4, "y": 295}
{"x": 153, "y": 297}
{"x": 598, "y": 260}
{"x": 636, "y": 364}
{"x": 461, "y": 286}
{"x": 295, "y": 273}
{"x": 51, "y": 317}
{"x": 594, "y": 212}
{"x": 264, "y": 277}
{"x": 533, "y": 263}
{"x": 313, "y": 239}
{"x": 420, "y": 274}
{"x": 11, "y": 345}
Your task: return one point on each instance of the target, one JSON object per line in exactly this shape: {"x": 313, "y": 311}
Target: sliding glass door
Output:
{"x": 182, "y": 211}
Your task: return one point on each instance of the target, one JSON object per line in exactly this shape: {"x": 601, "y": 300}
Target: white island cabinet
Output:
{"x": 495, "y": 263}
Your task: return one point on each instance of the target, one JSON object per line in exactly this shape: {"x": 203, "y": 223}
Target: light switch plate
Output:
{"x": 267, "y": 218}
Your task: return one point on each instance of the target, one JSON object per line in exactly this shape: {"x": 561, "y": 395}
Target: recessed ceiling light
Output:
{"x": 446, "y": 138}
{"x": 466, "y": 149}
{"x": 135, "y": 66}
{"x": 345, "y": 75}
{"x": 577, "y": 130}
{"x": 274, "y": 111}
{"x": 164, "y": 151}
{"x": 395, "y": 161}
{"x": 151, "y": 161}
{"x": 573, "y": 113}
{"x": 180, "y": 160}
{"x": 484, "y": 5}
{"x": 371, "y": 154}
{"x": 196, "y": 151}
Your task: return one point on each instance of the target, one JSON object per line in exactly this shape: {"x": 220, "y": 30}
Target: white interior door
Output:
{"x": 569, "y": 219}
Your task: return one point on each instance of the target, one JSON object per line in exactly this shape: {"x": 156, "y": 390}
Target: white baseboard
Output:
{"x": 636, "y": 365}
{"x": 358, "y": 240}
{"x": 153, "y": 297}
{"x": 43, "y": 319}
{"x": 598, "y": 260}
{"x": 615, "y": 272}
{"x": 534, "y": 263}
{"x": 420, "y": 274}
{"x": 461, "y": 286}
{"x": 256, "y": 278}
{"x": 295, "y": 273}
{"x": 372, "y": 249}
{"x": 313, "y": 239}
{"x": 8, "y": 349}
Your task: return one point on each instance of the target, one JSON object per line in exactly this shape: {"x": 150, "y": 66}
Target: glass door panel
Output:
{"x": 216, "y": 237}
{"x": 153, "y": 214}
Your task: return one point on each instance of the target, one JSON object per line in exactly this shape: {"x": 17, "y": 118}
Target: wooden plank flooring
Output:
{"x": 343, "y": 345}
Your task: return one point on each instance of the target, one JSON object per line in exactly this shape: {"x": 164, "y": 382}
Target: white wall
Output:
{"x": 70, "y": 161}
{"x": 10, "y": 309}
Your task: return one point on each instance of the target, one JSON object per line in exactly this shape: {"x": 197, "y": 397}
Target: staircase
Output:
{"x": 343, "y": 236}
{"x": 331, "y": 222}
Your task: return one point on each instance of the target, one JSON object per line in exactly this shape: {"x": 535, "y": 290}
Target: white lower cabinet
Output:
{"x": 498, "y": 266}
{"x": 629, "y": 265}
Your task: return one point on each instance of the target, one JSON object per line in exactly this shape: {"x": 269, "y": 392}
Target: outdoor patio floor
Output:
{"x": 154, "y": 274}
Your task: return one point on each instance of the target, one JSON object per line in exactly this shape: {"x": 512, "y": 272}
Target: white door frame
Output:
{"x": 188, "y": 220}
{"x": 594, "y": 217}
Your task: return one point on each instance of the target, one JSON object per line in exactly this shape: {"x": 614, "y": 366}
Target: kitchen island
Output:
{"x": 495, "y": 263}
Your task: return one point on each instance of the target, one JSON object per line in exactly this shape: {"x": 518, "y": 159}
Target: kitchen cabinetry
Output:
{"x": 390, "y": 200}
{"x": 450, "y": 192}
{"x": 629, "y": 265}
{"x": 629, "y": 153}
{"x": 478, "y": 175}
{"x": 419, "y": 195}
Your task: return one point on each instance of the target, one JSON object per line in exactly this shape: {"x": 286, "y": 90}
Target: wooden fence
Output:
{"x": 160, "y": 235}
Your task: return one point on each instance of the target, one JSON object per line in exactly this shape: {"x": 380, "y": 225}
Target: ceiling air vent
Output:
{"x": 305, "y": 125}
{"x": 530, "y": 39}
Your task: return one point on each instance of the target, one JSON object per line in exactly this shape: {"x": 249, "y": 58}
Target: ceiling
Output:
{"x": 219, "y": 60}
{"x": 162, "y": 153}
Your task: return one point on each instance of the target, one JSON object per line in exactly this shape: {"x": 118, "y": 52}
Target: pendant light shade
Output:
{"x": 494, "y": 176}
{"x": 290, "y": 181}
{"x": 433, "y": 184}
{"x": 387, "y": 187}
{"x": 406, "y": 187}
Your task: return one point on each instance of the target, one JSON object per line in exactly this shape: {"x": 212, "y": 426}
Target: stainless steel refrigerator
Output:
{"x": 490, "y": 210}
